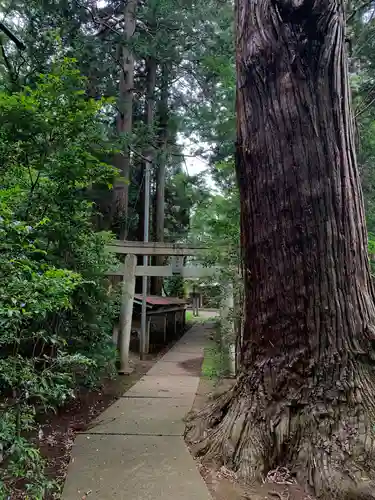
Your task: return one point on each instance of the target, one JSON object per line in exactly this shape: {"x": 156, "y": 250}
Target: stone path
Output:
{"x": 135, "y": 449}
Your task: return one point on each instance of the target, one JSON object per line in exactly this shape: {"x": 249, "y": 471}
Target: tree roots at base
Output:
{"x": 330, "y": 449}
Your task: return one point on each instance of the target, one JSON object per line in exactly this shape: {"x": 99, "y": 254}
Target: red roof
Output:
{"x": 154, "y": 300}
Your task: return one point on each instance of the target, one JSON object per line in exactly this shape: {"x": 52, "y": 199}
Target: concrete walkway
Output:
{"x": 135, "y": 449}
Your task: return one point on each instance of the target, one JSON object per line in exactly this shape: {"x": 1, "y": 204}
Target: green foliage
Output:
{"x": 183, "y": 193}
{"x": 371, "y": 251}
{"x": 216, "y": 223}
{"x": 361, "y": 30}
{"x": 215, "y": 362}
{"x": 55, "y": 312}
{"x": 174, "y": 286}
{"x": 192, "y": 43}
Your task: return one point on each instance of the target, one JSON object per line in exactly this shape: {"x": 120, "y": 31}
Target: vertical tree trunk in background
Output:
{"x": 157, "y": 282}
{"x": 306, "y": 395}
{"x": 149, "y": 111}
{"x": 148, "y": 152}
{"x": 124, "y": 121}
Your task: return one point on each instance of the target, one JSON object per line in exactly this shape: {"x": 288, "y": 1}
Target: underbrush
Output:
{"x": 216, "y": 358}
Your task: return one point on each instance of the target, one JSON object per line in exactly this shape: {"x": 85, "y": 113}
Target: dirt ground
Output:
{"x": 223, "y": 484}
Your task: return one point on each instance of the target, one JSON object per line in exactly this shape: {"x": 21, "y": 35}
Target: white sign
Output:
{"x": 177, "y": 264}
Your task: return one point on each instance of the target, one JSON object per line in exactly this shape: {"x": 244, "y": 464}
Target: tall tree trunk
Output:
{"x": 151, "y": 68}
{"x": 149, "y": 111}
{"x": 306, "y": 395}
{"x": 124, "y": 121}
{"x": 157, "y": 282}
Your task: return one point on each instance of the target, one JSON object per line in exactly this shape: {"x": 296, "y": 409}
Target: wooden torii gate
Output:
{"x": 129, "y": 270}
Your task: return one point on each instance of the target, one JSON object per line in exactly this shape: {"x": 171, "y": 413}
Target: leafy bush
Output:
{"x": 55, "y": 311}
{"x": 371, "y": 251}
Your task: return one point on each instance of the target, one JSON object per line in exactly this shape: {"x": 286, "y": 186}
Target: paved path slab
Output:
{"x": 164, "y": 387}
{"x": 187, "y": 368}
{"x": 133, "y": 468}
{"x": 153, "y": 416}
{"x": 189, "y": 346}
{"x": 135, "y": 449}
{"x": 181, "y": 356}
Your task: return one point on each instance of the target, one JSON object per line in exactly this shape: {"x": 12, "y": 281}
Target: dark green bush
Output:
{"x": 55, "y": 311}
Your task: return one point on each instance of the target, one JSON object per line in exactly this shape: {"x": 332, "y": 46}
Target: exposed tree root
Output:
{"x": 329, "y": 446}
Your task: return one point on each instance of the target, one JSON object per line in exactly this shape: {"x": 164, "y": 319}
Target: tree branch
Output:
{"x": 364, "y": 108}
{"x": 100, "y": 21}
{"x": 363, "y": 5}
{"x": 7, "y": 62}
{"x": 140, "y": 155}
{"x": 19, "y": 43}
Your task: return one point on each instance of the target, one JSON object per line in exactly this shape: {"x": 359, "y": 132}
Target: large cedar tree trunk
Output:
{"x": 306, "y": 395}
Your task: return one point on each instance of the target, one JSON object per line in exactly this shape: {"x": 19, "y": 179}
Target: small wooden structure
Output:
{"x": 168, "y": 314}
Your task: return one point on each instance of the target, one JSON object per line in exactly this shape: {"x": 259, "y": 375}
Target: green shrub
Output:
{"x": 55, "y": 311}
{"x": 371, "y": 251}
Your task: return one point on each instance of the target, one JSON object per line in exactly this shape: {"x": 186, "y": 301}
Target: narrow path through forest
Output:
{"x": 135, "y": 449}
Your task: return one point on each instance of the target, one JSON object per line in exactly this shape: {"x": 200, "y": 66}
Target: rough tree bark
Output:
{"x": 306, "y": 395}
{"x": 124, "y": 120}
